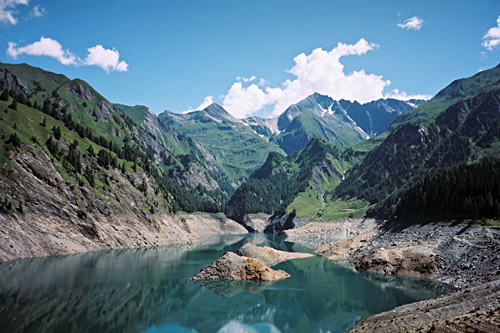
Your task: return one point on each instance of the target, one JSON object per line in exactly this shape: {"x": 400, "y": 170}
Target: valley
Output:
{"x": 82, "y": 174}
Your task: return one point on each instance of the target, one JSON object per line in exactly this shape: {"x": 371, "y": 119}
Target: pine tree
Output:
{"x": 57, "y": 132}
{"x": 13, "y": 105}
{"x": 44, "y": 122}
{"x": 14, "y": 140}
{"x": 90, "y": 151}
{"x": 5, "y": 95}
{"x": 89, "y": 174}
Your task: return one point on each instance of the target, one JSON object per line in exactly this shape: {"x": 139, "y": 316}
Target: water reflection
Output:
{"x": 149, "y": 289}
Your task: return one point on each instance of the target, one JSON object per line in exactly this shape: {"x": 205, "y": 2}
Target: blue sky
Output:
{"x": 177, "y": 54}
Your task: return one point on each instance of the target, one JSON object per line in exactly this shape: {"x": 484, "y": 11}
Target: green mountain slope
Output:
{"x": 314, "y": 170}
{"x": 343, "y": 123}
{"x": 460, "y": 125}
{"x": 466, "y": 131}
{"x": 465, "y": 192}
{"x": 316, "y": 116}
{"x": 456, "y": 91}
{"x": 64, "y": 144}
{"x": 238, "y": 149}
{"x": 186, "y": 161}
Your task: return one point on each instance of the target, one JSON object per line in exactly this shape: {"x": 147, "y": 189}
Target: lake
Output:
{"x": 149, "y": 290}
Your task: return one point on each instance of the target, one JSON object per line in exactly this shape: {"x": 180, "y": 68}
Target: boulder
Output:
{"x": 268, "y": 255}
{"x": 231, "y": 266}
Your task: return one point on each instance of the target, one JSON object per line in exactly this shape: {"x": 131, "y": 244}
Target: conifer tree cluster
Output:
{"x": 468, "y": 191}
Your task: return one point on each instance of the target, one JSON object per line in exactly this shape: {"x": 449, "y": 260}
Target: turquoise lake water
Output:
{"x": 149, "y": 290}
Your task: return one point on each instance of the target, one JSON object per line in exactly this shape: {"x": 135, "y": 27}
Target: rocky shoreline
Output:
{"x": 39, "y": 236}
{"x": 466, "y": 258}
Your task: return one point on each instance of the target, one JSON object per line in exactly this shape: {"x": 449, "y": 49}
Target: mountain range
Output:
{"x": 66, "y": 150}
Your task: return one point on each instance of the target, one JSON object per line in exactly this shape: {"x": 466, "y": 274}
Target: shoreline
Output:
{"x": 466, "y": 258}
{"x": 31, "y": 236}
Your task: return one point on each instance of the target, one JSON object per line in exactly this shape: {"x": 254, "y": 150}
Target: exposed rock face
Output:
{"x": 234, "y": 267}
{"x": 475, "y": 309}
{"x": 350, "y": 236}
{"x": 78, "y": 89}
{"x": 34, "y": 235}
{"x": 277, "y": 225}
{"x": 411, "y": 261}
{"x": 255, "y": 223}
{"x": 467, "y": 258}
{"x": 250, "y": 262}
{"x": 268, "y": 255}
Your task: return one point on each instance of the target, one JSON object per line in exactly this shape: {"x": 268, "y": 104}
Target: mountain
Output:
{"x": 267, "y": 127}
{"x": 341, "y": 122}
{"x": 317, "y": 116}
{"x": 374, "y": 117}
{"x": 67, "y": 152}
{"x": 460, "y": 125}
{"x": 170, "y": 148}
{"x": 455, "y": 92}
{"x": 313, "y": 171}
{"x": 237, "y": 148}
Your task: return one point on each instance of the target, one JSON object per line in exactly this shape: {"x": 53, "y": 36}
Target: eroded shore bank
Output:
{"x": 467, "y": 258}
{"x": 38, "y": 236}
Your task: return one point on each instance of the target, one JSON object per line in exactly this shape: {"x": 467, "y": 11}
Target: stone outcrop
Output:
{"x": 474, "y": 309}
{"x": 250, "y": 262}
{"x": 234, "y": 267}
{"x": 410, "y": 261}
{"x": 268, "y": 255}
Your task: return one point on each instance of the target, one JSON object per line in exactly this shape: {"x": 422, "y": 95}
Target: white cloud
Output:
{"x": 107, "y": 59}
{"x": 413, "y": 23}
{"x": 246, "y": 79}
{"x": 321, "y": 71}
{"x": 37, "y": 11}
{"x": 491, "y": 39}
{"x": 7, "y": 10}
{"x": 242, "y": 101}
{"x": 206, "y": 102}
{"x": 44, "y": 47}
{"x": 401, "y": 95}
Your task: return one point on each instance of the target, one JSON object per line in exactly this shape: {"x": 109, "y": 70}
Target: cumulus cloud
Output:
{"x": 401, "y": 95}
{"x": 107, "y": 59}
{"x": 7, "y": 10}
{"x": 321, "y": 71}
{"x": 413, "y": 23}
{"x": 491, "y": 39}
{"x": 206, "y": 102}
{"x": 44, "y": 47}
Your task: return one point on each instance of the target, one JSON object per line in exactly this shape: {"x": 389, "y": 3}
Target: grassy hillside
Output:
{"x": 307, "y": 125}
{"x": 302, "y": 181}
{"x": 238, "y": 149}
{"x": 465, "y": 132}
{"x": 90, "y": 146}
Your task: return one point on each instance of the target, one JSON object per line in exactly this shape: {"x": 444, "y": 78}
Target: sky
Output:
{"x": 253, "y": 57}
